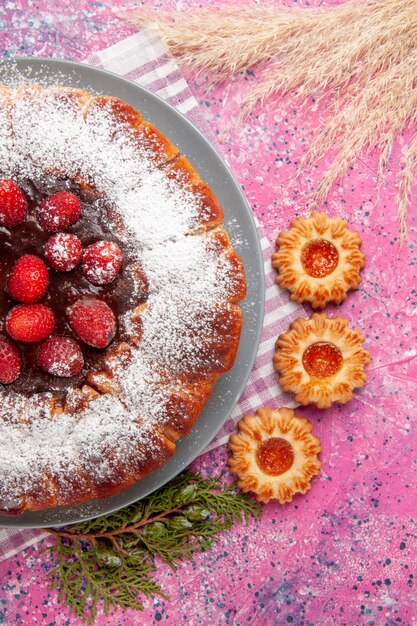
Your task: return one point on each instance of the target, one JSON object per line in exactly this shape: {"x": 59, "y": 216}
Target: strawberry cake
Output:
{"x": 119, "y": 297}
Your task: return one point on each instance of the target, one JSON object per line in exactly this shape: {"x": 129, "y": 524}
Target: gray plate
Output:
{"x": 241, "y": 227}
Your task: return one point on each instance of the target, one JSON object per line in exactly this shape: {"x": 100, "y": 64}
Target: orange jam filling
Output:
{"x": 319, "y": 258}
{"x": 322, "y": 359}
{"x": 275, "y": 456}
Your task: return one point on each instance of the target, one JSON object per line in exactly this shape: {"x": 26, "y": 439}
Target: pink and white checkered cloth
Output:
{"x": 144, "y": 58}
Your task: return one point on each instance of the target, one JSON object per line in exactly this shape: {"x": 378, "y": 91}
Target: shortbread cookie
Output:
{"x": 321, "y": 360}
{"x": 274, "y": 454}
{"x": 318, "y": 260}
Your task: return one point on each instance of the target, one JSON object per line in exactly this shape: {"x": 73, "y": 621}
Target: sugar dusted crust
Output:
{"x": 255, "y": 430}
{"x": 178, "y": 339}
{"x": 293, "y": 275}
{"x": 321, "y": 390}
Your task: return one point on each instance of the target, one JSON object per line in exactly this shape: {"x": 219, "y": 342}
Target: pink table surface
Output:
{"x": 345, "y": 553}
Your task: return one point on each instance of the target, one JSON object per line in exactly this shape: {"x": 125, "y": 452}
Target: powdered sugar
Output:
{"x": 49, "y": 135}
{"x": 54, "y": 448}
{"x": 187, "y": 266}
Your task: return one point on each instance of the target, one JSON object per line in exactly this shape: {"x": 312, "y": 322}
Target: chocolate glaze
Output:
{"x": 66, "y": 287}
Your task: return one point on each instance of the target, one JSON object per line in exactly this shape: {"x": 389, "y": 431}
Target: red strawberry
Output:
{"x": 13, "y": 203}
{"x": 93, "y": 321}
{"x": 59, "y": 211}
{"x": 28, "y": 280}
{"x": 30, "y": 322}
{"x": 63, "y": 251}
{"x": 10, "y": 361}
{"x": 61, "y": 356}
{"x": 102, "y": 262}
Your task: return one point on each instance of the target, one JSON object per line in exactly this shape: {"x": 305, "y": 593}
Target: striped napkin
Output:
{"x": 144, "y": 58}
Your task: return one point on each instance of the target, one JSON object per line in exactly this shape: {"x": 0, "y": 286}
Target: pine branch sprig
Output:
{"x": 111, "y": 559}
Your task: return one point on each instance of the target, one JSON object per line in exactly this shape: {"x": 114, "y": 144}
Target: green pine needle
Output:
{"x": 111, "y": 559}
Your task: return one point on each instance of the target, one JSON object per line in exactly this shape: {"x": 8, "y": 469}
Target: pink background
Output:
{"x": 345, "y": 553}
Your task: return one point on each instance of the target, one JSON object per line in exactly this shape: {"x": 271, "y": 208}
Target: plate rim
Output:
{"x": 7, "y": 521}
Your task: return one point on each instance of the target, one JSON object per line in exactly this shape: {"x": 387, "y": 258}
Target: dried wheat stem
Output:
{"x": 405, "y": 185}
{"x": 346, "y": 48}
{"x": 223, "y": 41}
{"x": 361, "y": 56}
